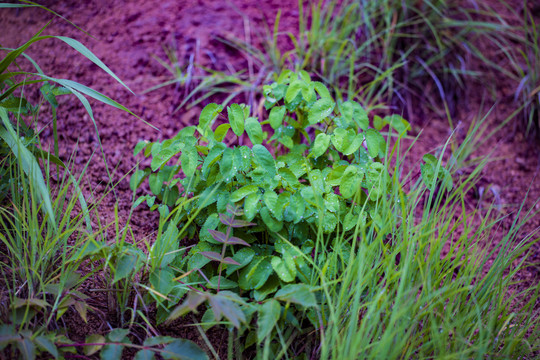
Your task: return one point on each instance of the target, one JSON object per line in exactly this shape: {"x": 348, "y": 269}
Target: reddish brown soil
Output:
{"x": 126, "y": 34}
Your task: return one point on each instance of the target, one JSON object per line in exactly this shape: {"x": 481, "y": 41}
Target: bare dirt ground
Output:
{"x": 125, "y": 36}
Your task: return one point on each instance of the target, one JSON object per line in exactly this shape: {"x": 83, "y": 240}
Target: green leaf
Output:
{"x": 288, "y": 176}
{"x": 162, "y": 280}
{"x": 28, "y": 163}
{"x": 27, "y": 348}
{"x": 140, "y": 145}
{"x": 334, "y": 177}
{"x": 321, "y": 89}
{"x": 276, "y": 116}
{"x": 398, "y": 123}
{"x": 226, "y": 165}
{"x": 297, "y": 293}
{"x": 376, "y": 178}
{"x": 126, "y": 264}
{"x": 144, "y": 354}
{"x": 45, "y": 343}
{"x": 208, "y": 114}
{"x": 254, "y": 130}
{"x": 155, "y": 184}
{"x": 251, "y": 205}
{"x": 236, "y": 119}
{"x": 354, "y": 144}
{"x": 221, "y": 132}
{"x": 165, "y": 154}
{"x": 256, "y": 273}
{"x": 93, "y": 339}
{"x": 189, "y": 161}
{"x": 353, "y": 112}
{"x": 90, "y": 56}
{"x": 294, "y": 89}
{"x": 182, "y": 349}
{"x": 270, "y": 287}
{"x": 226, "y": 303}
{"x": 114, "y": 351}
{"x": 243, "y": 192}
{"x": 320, "y": 145}
{"x": 375, "y": 142}
{"x": 270, "y": 199}
{"x": 350, "y": 182}
{"x": 224, "y": 283}
{"x": 285, "y": 268}
{"x": 265, "y": 159}
{"x": 320, "y": 110}
{"x": 269, "y": 314}
{"x": 272, "y": 224}
{"x": 243, "y": 257}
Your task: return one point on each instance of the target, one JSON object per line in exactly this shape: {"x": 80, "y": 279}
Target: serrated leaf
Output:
{"x": 293, "y": 90}
{"x": 251, "y": 205}
{"x": 350, "y": 182}
{"x": 155, "y": 184}
{"x": 189, "y": 161}
{"x": 288, "y": 176}
{"x": 225, "y": 303}
{"x": 254, "y": 130}
{"x": 284, "y": 268}
{"x": 236, "y": 119}
{"x": 182, "y": 349}
{"x": 352, "y": 112}
{"x": 165, "y": 154}
{"x": 321, "y": 89}
{"x": 354, "y": 144}
{"x": 376, "y": 180}
{"x": 243, "y": 192}
{"x": 243, "y": 257}
{"x": 265, "y": 159}
{"x": 320, "y": 110}
{"x": 222, "y": 238}
{"x": 320, "y": 145}
{"x": 256, "y": 273}
{"x": 276, "y": 116}
{"x": 375, "y": 142}
{"x": 233, "y": 222}
{"x": 221, "y": 132}
{"x": 269, "y": 314}
{"x": 208, "y": 114}
{"x": 272, "y": 224}
{"x": 214, "y": 256}
{"x": 297, "y": 293}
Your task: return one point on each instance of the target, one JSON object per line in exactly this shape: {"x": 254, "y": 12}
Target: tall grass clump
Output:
{"x": 431, "y": 283}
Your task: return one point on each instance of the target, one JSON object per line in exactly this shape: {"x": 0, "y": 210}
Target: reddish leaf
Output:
{"x": 222, "y": 238}
{"x": 237, "y": 241}
{"x": 218, "y": 236}
{"x": 230, "y": 261}
{"x": 232, "y": 222}
{"x": 212, "y": 255}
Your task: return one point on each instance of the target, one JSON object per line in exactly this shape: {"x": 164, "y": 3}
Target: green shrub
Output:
{"x": 258, "y": 213}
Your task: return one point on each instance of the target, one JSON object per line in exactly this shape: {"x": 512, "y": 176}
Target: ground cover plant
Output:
{"x": 302, "y": 224}
{"x": 266, "y": 252}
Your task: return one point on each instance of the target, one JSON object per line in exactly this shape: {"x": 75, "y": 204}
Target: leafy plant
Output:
{"x": 265, "y": 217}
